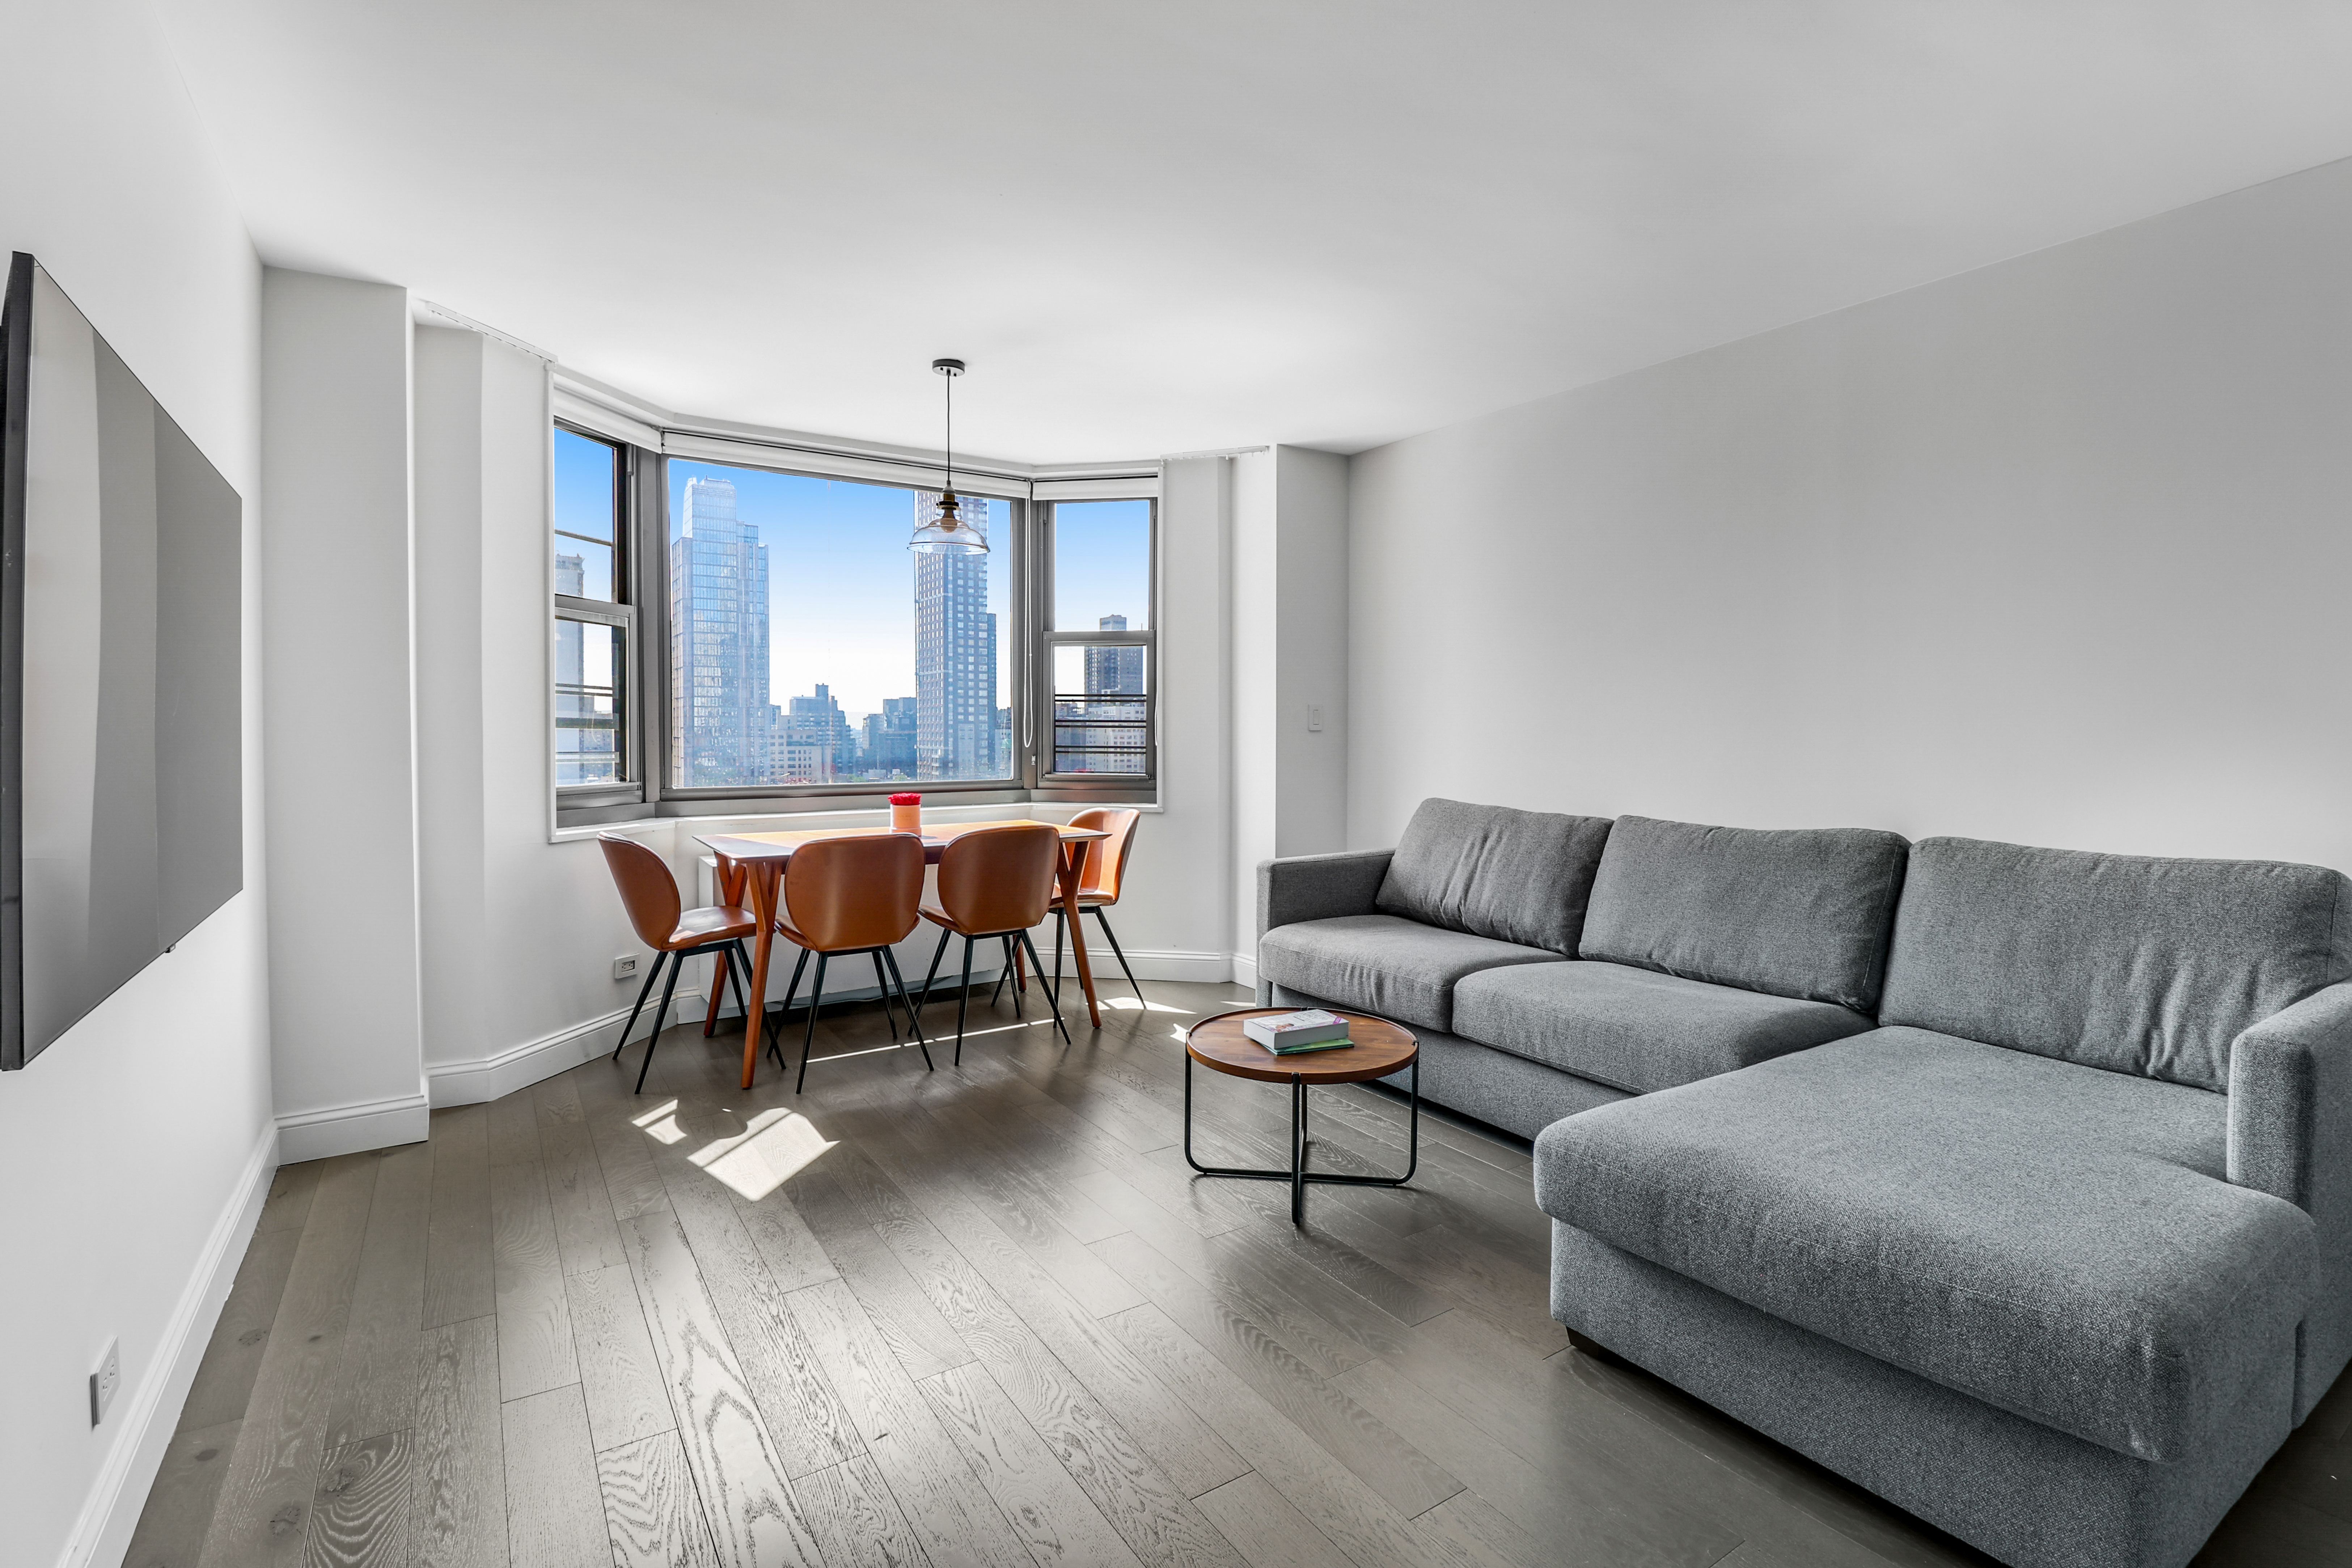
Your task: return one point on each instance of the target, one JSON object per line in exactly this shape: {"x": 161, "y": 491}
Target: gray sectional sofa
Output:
{"x": 2014, "y": 1185}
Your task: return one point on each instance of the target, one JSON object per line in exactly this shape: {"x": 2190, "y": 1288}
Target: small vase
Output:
{"x": 905, "y": 814}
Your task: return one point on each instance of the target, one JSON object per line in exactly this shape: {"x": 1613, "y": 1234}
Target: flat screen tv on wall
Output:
{"x": 121, "y": 769}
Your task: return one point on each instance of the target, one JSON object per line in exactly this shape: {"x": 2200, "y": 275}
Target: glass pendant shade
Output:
{"x": 948, "y": 533}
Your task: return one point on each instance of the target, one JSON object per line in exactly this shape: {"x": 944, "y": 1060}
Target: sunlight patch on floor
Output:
{"x": 1129, "y": 1004}
{"x": 777, "y": 1145}
{"x": 661, "y": 1122}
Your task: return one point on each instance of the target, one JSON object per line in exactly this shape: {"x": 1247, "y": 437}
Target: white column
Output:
{"x": 340, "y": 753}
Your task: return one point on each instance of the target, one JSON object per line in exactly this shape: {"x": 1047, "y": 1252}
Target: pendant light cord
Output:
{"x": 951, "y": 396}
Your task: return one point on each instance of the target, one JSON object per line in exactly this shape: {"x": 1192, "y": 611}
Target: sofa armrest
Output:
{"x": 2290, "y": 1136}
{"x": 1320, "y": 887}
{"x": 2291, "y": 1102}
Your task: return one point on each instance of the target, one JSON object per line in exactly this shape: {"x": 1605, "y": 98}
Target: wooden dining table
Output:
{"x": 750, "y": 866}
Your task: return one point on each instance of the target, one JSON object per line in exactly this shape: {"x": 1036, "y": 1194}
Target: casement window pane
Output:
{"x": 587, "y": 514}
{"x": 810, "y": 646}
{"x": 1102, "y": 566}
{"x": 1101, "y": 720}
{"x": 589, "y": 665}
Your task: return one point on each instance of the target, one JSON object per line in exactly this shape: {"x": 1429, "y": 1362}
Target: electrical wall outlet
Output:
{"x": 105, "y": 1381}
{"x": 625, "y": 966}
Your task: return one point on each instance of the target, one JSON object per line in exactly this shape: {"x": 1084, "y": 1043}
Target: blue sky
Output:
{"x": 841, "y": 580}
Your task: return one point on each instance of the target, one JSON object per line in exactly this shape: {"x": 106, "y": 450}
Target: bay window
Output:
{"x": 785, "y": 650}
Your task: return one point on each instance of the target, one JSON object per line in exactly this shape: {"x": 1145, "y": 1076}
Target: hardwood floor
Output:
{"x": 983, "y": 1315}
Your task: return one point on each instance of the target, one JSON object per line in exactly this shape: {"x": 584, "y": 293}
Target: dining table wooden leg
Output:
{"x": 728, "y": 884}
{"x": 1074, "y": 859}
{"x": 763, "y": 881}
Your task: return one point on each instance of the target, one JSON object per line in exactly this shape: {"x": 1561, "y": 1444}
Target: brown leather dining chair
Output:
{"x": 843, "y": 897}
{"x": 1099, "y": 879}
{"x": 1098, "y": 882}
{"x": 993, "y": 882}
{"x": 649, "y": 894}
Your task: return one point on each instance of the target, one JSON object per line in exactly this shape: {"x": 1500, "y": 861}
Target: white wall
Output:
{"x": 1290, "y": 617}
{"x": 2055, "y": 551}
{"x": 132, "y": 1148}
{"x": 336, "y": 563}
{"x": 519, "y": 933}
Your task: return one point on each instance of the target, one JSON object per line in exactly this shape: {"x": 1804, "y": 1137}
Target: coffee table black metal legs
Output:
{"x": 1298, "y": 1175}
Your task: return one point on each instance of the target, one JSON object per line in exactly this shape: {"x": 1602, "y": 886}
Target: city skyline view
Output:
{"x": 807, "y": 639}
{"x": 807, "y": 644}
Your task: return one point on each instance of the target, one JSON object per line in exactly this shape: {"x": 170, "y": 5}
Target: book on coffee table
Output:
{"x": 1311, "y": 1030}
{"x": 1310, "y": 1046}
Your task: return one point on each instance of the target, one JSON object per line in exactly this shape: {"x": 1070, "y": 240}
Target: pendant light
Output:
{"x": 948, "y": 533}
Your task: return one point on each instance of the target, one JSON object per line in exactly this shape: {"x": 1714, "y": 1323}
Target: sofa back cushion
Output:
{"x": 2130, "y": 963}
{"x": 1798, "y": 912}
{"x": 1513, "y": 875}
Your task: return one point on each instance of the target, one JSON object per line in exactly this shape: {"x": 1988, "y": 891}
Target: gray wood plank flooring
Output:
{"x": 981, "y": 1315}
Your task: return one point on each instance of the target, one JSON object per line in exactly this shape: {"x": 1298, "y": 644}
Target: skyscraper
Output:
{"x": 1113, "y": 669}
{"x": 1119, "y": 746}
{"x": 584, "y": 724}
{"x": 890, "y": 740}
{"x": 816, "y": 739}
{"x": 955, "y": 655}
{"x": 719, "y": 642}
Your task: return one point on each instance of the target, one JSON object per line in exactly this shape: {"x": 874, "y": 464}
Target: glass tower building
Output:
{"x": 955, "y": 655}
{"x": 718, "y": 643}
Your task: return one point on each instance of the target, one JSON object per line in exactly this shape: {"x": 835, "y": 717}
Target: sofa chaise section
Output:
{"x": 2058, "y": 1242}
{"x": 2055, "y": 1256}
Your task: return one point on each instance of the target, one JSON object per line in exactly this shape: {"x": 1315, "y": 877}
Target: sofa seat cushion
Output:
{"x": 1636, "y": 1029}
{"x": 2050, "y": 1239}
{"x": 1397, "y": 968}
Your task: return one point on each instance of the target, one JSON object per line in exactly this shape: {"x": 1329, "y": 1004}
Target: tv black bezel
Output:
{"x": 16, "y": 393}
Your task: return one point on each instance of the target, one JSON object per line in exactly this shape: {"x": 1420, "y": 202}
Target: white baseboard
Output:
{"x": 334, "y": 1130}
{"x": 110, "y": 1513}
{"x": 1244, "y": 969}
{"x": 1160, "y": 963}
{"x": 520, "y": 1067}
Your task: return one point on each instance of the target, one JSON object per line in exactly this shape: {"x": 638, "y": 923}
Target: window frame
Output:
{"x": 748, "y": 800}
{"x": 642, "y": 562}
{"x": 1045, "y": 782}
{"x": 579, "y": 803}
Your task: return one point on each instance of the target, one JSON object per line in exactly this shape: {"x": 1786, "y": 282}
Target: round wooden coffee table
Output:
{"x": 1381, "y": 1049}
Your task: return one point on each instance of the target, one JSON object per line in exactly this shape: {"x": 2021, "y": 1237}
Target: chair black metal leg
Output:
{"x": 1007, "y": 970}
{"x": 1103, "y": 921}
{"x": 735, "y": 974}
{"x": 937, "y": 953}
{"x": 775, "y": 1032}
{"x": 654, "y": 1038}
{"x": 1003, "y": 975}
{"x": 808, "y": 1040}
{"x": 963, "y": 996}
{"x": 1054, "y": 997}
{"x": 914, "y": 1023}
{"x": 642, "y": 992}
{"x": 1059, "y": 916}
{"x": 882, "y": 984}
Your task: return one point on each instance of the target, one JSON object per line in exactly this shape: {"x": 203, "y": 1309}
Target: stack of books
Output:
{"x": 1286, "y": 1033}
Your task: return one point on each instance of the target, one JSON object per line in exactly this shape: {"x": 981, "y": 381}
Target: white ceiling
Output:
{"x": 1163, "y": 227}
